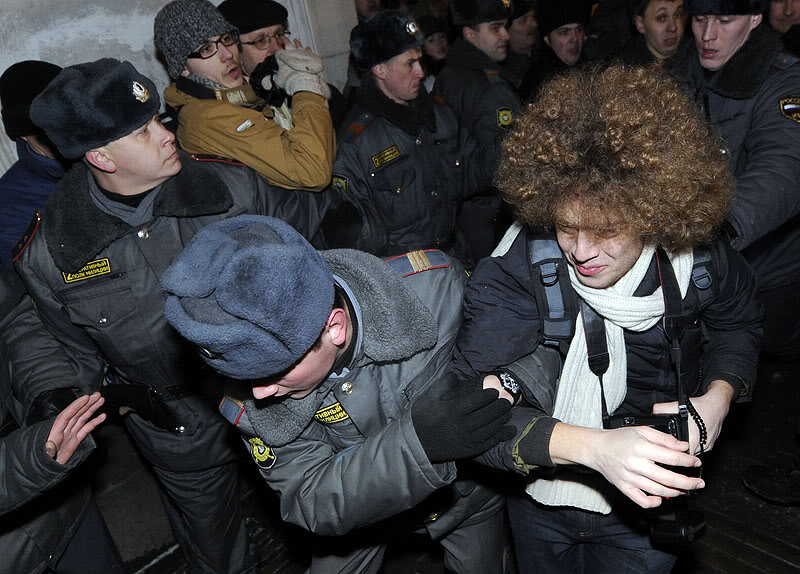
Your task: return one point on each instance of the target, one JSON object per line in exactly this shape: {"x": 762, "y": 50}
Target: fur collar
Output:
{"x": 396, "y": 324}
{"x": 70, "y": 211}
{"x": 741, "y": 77}
{"x": 409, "y": 118}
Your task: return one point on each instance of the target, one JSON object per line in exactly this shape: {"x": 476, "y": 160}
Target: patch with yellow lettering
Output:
{"x": 92, "y": 269}
{"x": 263, "y": 455}
{"x": 340, "y": 183}
{"x": 387, "y": 155}
{"x": 790, "y": 108}
{"x": 329, "y": 415}
{"x": 504, "y": 117}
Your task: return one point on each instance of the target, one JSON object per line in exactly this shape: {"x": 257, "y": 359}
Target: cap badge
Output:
{"x": 506, "y": 3}
{"x": 140, "y": 92}
{"x": 411, "y": 28}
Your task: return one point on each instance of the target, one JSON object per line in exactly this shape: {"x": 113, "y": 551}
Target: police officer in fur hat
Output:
{"x": 339, "y": 359}
{"x": 748, "y": 87}
{"x": 92, "y": 263}
{"x": 484, "y": 96}
{"x": 403, "y": 160}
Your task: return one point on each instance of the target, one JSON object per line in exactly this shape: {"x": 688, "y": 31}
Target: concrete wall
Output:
{"x": 71, "y": 31}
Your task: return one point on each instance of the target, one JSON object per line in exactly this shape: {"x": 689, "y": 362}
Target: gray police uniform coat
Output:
{"x": 95, "y": 280}
{"x": 358, "y": 461}
{"x": 407, "y": 169}
{"x": 753, "y": 102}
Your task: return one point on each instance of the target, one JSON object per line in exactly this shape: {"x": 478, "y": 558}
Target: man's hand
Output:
{"x": 627, "y": 458}
{"x": 712, "y": 407}
{"x": 73, "y": 425}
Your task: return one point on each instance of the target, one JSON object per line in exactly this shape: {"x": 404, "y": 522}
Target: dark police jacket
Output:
{"x": 721, "y": 340}
{"x": 41, "y": 506}
{"x": 753, "y": 102}
{"x": 95, "y": 279}
{"x": 407, "y": 169}
{"x": 477, "y": 90}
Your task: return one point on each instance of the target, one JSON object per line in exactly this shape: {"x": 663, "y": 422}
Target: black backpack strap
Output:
{"x": 554, "y": 295}
{"x": 701, "y": 275}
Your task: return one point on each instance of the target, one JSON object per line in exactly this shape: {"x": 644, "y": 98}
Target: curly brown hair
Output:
{"x": 627, "y": 147}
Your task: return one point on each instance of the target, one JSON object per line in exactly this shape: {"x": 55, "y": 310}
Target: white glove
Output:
{"x": 300, "y": 71}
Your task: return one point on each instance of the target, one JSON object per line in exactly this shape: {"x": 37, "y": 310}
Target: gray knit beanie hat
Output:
{"x": 182, "y": 26}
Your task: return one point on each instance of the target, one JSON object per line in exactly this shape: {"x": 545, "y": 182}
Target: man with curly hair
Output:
{"x": 622, "y": 191}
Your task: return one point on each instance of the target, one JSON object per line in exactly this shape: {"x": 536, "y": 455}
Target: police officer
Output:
{"x": 339, "y": 391}
{"x": 403, "y": 161}
{"x": 92, "y": 263}
{"x": 748, "y": 88}
{"x": 475, "y": 85}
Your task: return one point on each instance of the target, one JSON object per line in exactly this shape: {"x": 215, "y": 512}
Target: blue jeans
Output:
{"x": 569, "y": 540}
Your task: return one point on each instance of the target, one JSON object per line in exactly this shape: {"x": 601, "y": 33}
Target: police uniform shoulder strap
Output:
{"x": 418, "y": 261}
{"x": 356, "y": 127}
{"x": 555, "y": 298}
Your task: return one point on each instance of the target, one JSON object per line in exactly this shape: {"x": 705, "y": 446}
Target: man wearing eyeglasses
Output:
{"x": 263, "y": 29}
{"x": 219, "y": 113}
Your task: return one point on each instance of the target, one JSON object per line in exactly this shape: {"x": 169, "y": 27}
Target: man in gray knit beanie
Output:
{"x": 220, "y": 114}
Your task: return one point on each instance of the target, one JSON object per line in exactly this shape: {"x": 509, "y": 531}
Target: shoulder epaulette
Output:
{"x": 27, "y": 237}
{"x": 209, "y": 158}
{"x": 438, "y": 99}
{"x": 357, "y": 127}
{"x": 418, "y": 261}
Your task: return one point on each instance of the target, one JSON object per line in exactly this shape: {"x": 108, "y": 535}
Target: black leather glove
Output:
{"x": 49, "y": 404}
{"x": 261, "y": 80}
{"x": 460, "y": 420}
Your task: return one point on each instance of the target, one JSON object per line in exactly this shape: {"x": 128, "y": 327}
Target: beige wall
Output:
{"x": 71, "y": 31}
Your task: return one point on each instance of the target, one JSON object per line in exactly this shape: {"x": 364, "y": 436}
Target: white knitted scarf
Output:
{"x": 578, "y": 398}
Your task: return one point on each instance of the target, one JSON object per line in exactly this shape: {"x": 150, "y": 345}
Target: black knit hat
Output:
{"x": 19, "y": 85}
{"x": 382, "y": 37}
{"x": 522, "y": 7}
{"x": 182, "y": 26}
{"x": 249, "y": 15}
{"x": 89, "y": 105}
{"x": 472, "y": 12}
{"x": 252, "y": 293}
{"x": 722, "y": 7}
{"x": 556, "y": 13}
{"x": 431, "y": 25}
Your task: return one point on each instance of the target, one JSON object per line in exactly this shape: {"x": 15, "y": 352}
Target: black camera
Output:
{"x": 672, "y": 523}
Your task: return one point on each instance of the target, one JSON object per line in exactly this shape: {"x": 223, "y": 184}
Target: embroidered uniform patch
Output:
{"x": 504, "y": 117}
{"x": 263, "y": 455}
{"x": 340, "y": 183}
{"x": 790, "y": 108}
{"x": 94, "y": 268}
{"x": 387, "y": 155}
{"x": 329, "y": 415}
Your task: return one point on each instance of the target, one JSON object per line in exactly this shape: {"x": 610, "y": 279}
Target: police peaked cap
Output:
{"x": 472, "y": 12}
{"x": 89, "y": 105}
{"x": 249, "y": 15}
{"x": 723, "y": 7}
{"x": 384, "y": 36}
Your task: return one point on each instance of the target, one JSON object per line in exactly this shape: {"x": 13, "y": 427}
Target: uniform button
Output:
{"x": 347, "y": 388}
{"x": 398, "y": 190}
{"x": 181, "y": 429}
{"x": 433, "y": 516}
{"x": 143, "y": 233}
{"x": 458, "y": 162}
{"x": 418, "y": 142}
{"x": 434, "y": 193}
{"x": 103, "y": 320}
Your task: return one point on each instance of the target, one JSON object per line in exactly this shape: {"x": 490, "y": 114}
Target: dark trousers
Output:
{"x": 573, "y": 541}
{"x": 91, "y": 550}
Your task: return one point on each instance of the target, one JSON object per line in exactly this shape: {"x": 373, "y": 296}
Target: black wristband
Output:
{"x": 509, "y": 382}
